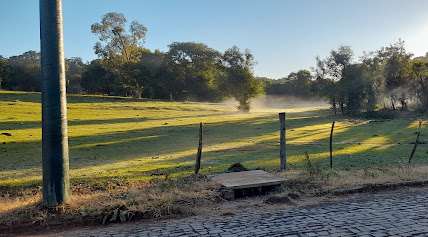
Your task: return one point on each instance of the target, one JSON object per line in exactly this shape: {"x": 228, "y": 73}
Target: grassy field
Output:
{"x": 117, "y": 138}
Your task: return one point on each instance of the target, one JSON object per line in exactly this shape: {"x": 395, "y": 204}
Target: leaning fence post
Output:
{"x": 331, "y": 144}
{"x": 418, "y": 134}
{"x": 199, "y": 154}
{"x": 282, "y": 152}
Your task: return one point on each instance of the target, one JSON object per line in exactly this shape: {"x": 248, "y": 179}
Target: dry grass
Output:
{"x": 119, "y": 202}
{"x": 318, "y": 181}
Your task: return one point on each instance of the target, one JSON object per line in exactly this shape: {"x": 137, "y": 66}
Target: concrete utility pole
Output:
{"x": 56, "y": 185}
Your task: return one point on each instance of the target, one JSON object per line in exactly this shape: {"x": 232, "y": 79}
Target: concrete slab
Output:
{"x": 247, "y": 179}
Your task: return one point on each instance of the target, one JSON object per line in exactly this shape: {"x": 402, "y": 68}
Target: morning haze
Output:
{"x": 213, "y": 118}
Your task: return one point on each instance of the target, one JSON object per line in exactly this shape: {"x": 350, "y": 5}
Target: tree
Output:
{"x": 420, "y": 82}
{"x": 23, "y": 72}
{"x": 375, "y": 80}
{"x": 153, "y": 73}
{"x": 422, "y": 58}
{"x": 120, "y": 49}
{"x": 56, "y": 186}
{"x": 99, "y": 79}
{"x": 196, "y": 69}
{"x": 240, "y": 82}
{"x": 396, "y": 64}
{"x": 116, "y": 45}
{"x": 3, "y": 70}
{"x": 332, "y": 69}
{"x": 298, "y": 84}
{"x": 353, "y": 88}
{"x": 396, "y": 71}
{"x": 74, "y": 70}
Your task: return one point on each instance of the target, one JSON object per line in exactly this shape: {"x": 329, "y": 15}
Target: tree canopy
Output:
{"x": 386, "y": 78}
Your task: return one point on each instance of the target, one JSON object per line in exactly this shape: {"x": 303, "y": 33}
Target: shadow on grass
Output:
{"x": 21, "y": 125}
{"x": 169, "y": 149}
{"x": 127, "y": 145}
{"x": 35, "y": 97}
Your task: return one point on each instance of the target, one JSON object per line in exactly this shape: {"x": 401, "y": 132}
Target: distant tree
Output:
{"x": 153, "y": 71}
{"x": 422, "y": 58}
{"x": 74, "y": 68}
{"x": 99, "y": 79}
{"x": 3, "y": 70}
{"x": 333, "y": 70}
{"x": 298, "y": 84}
{"x": 419, "y": 76}
{"x": 117, "y": 44}
{"x": 23, "y": 72}
{"x": 375, "y": 80}
{"x": 396, "y": 64}
{"x": 196, "y": 69}
{"x": 240, "y": 82}
{"x": 120, "y": 48}
{"x": 355, "y": 88}
{"x": 301, "y": 82}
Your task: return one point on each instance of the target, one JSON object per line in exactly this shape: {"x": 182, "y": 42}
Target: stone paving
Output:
{"x": 398, "y": 213}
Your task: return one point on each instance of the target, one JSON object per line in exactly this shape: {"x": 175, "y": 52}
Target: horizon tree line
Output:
{"x": 387, "y": 78}
{"x": 124, "y": 67}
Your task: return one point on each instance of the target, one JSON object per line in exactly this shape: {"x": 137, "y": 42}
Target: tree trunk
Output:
{"x": 54, "y": 106}
{"x": 393, "y": 103}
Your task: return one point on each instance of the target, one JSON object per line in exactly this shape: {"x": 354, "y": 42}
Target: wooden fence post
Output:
{"x": 418, "y": 134}
{"x": 331, "y": 144}
{"x": 282, "y": 151}
{"x": 199, "y": 154}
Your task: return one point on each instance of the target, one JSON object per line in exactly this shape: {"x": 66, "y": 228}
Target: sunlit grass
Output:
{"x": 142, "y": 140}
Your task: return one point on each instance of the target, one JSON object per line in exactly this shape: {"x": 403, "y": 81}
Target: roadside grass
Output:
{"x": 133, "y": 140}
{"x": 185, "y": 196}
{"x": 137, "y": 156}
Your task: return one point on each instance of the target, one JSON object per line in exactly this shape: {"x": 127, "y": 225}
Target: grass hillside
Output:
{"x": 118, "y": 138}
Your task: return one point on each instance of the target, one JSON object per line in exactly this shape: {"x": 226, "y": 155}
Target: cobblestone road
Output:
{"x": 399, "y": 213}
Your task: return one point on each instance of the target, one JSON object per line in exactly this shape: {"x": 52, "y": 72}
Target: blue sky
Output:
{"x": 283, "y": 35}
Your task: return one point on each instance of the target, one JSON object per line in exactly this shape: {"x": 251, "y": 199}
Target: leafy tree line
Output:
{"x": 124, "y": 67}
{"x": 387, "y": 79}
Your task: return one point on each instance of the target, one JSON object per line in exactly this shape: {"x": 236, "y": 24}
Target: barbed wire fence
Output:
{"x": 331, "y": 144}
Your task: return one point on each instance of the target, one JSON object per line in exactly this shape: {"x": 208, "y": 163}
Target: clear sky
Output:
{"x": 284, "y": 35}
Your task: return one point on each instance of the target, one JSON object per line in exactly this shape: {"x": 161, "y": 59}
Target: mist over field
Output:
{"x": 275, "y": 103}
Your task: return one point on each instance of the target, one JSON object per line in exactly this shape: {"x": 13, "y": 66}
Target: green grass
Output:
{"x": 140, "y": 140}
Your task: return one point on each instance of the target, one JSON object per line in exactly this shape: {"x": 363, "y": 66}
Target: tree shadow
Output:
{"x": 148, "y": 143}
{"x": 21, "y": 125}
{"x": 170, "y": 149}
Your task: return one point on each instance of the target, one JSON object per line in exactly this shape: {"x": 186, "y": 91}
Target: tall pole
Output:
{"x": 56, "y": 186}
